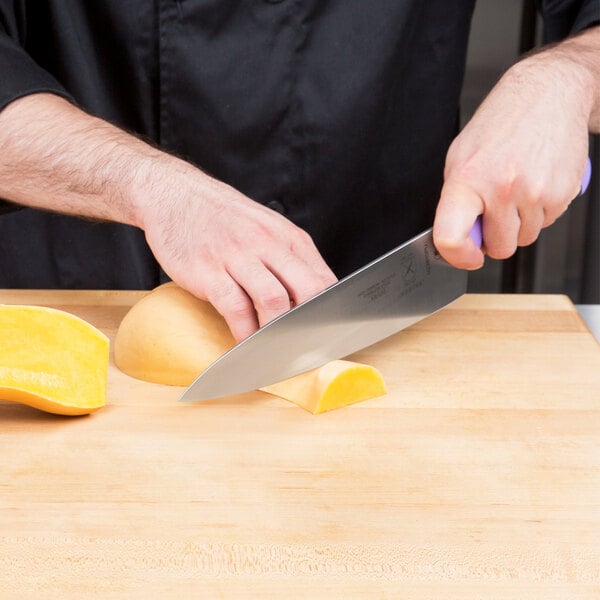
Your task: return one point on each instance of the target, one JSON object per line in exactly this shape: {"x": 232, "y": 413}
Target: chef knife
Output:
{"x": 389, "y": 294}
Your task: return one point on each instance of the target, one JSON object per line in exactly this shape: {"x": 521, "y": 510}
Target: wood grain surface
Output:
{"x": 477, "y": 476}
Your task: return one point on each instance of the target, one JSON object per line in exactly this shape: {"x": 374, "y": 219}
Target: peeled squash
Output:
{"x": 335, "y": 384}
{"x": 170, "y": 337}
{"x": 52, "y": 360}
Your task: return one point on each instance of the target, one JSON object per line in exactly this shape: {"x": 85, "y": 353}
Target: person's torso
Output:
{"x": 334, "y": 112}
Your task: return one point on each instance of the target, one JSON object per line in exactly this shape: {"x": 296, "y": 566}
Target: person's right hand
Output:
{"x": 251, "y": 263}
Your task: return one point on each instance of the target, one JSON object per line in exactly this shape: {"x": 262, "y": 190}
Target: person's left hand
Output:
{"x": 518, "y": 162}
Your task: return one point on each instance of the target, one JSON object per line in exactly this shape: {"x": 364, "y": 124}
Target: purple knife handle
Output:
{"x": 476, "y": 233}
{"x": 587, "y": 175}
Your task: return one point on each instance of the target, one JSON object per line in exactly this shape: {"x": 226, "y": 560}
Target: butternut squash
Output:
{"x": 170, "y": 337}
{"x": 52, "y": 360}
{"x": 335, "y": 384}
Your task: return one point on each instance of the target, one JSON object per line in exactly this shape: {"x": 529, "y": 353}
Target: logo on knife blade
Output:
{"x": 408, "y": 269}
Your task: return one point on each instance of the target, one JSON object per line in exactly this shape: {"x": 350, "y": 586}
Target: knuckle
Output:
{"x": 287, "y": 259}
{"x": 301, "y": 240}
{"x": 477, "y": 171}
{"x": 218, "y": 291}
{"x": 532, "y": 189}
{"x": 274, "y": 300}
{"x": 497, "y": 183}
{"x": 458, "y": 159}
{"x": 503, "y": 192}
{"x": 464, "y": 170}
{"x": 239, "y": 308}
{"x": 229, "y": 300}
{"x": 306, "y": 237}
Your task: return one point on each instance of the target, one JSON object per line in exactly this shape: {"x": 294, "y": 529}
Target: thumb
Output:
{"x": 457, "y": 211}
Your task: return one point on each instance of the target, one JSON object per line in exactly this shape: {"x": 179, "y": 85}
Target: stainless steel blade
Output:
{"x": 387, "y": 295}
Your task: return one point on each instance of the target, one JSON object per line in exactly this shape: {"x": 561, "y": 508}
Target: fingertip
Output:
{"x": 468, "y": 264}
{"x": 462, "y": 254}
{"x": 476, "y": 264}
{"x": 234, "y": 305}
{"x": 458, "y": 216}
{"x": 240, "y": 329}
{"x": 447, "y": 242}
{"x": 457, "y": 246}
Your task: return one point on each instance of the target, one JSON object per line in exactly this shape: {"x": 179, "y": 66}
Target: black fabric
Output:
{"x": 567, "y": 17}
{"x": 6, "y": 207}
{"x": 338, "y": 114}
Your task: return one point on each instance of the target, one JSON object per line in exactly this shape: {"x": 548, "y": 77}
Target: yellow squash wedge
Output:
{"x": 335, "y": 384}
{"x": 170, "y": 337}
{"x": 52, "y": 360}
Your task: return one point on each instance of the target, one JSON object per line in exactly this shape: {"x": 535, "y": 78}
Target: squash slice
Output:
{"x": 52, "y": 360}
{"x": 170, "y": 337}
{"x": 335, "y": 384}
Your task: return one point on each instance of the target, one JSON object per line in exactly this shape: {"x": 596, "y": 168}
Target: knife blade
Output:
{"x": 394, "y": 291}
{"x": 380, "y": 299}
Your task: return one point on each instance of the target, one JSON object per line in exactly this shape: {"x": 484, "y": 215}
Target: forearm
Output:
{"x": 54, "y": 156}
{"x": 247, "y": 260}
{"x": 576, "y": 61}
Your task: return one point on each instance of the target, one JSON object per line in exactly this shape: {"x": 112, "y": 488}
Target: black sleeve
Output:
{"x": 20, "y": 75}
{"x": 568, "y": 17}
{"x": 6, "y": 207}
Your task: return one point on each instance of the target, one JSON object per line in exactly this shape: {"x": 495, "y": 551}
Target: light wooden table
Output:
{"x": 477, "y": 476}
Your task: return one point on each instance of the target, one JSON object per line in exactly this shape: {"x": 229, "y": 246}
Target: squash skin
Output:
{"x": 52, "y": 360}
{"x": 170, "y": 337}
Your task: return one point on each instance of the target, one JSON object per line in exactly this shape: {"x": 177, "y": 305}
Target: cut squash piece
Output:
{"x": 52, "y": 360}
{"x": 170, "y": 337}
{"x": 335, "y": 384}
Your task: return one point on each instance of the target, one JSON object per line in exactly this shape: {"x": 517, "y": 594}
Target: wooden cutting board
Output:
{"x": 477, "y": 476}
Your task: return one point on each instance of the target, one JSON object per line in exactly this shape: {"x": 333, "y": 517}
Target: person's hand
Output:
{"x": 247, "y": 260}
{"x": 250, "y": 262}
{"x": 518, "y": 162}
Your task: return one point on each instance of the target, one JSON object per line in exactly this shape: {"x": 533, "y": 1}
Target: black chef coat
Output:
{"x": 337, "y": 113}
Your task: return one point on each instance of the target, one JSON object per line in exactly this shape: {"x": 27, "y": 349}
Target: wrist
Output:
{"x": 573, "y": 66}
{"x": 160, "y": 180}
{"x": 557, "y": 74}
